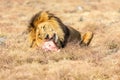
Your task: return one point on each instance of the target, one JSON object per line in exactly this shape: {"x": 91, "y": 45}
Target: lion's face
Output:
{"x": 44, "y": 32}
{"x": 46, "y": 27}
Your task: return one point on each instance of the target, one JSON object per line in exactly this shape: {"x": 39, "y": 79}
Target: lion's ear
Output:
{"x": 44, "y": 16}
{"x": 29, "y": 29}
{"x": 43, "y": 13}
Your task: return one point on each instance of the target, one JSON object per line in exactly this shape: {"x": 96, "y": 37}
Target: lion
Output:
{"x": 45, "y": 26}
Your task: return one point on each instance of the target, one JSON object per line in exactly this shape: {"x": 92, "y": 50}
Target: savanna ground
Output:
{"x": 99, "y": 61}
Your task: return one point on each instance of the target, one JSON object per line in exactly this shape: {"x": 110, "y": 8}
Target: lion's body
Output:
{"x": 44, "y": 25}
{"x": 74, "y": 35}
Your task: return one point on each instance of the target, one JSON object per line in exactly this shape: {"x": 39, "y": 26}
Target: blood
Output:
{"x": 50, "y": 46}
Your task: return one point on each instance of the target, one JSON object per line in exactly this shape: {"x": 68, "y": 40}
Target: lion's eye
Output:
{"x": 39, "y": 35}
{"x": 43, "y": 27}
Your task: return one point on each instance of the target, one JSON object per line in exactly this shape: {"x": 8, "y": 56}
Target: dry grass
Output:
{"x": 99, "y": 61}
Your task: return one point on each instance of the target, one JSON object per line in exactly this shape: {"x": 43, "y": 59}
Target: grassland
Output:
{"x": 99, "y": 61}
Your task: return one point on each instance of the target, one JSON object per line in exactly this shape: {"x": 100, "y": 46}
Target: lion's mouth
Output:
{"x": 50, "y": 46}
{"x": 50, "y": 43}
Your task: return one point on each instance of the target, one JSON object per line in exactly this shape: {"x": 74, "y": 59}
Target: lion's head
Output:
{"x": 44, "y": 25}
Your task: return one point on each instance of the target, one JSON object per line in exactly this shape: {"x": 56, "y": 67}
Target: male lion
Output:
{"x": 45, "y": 26}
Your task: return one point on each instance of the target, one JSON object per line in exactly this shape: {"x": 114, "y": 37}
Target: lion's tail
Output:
{"x": 86, "y": 38}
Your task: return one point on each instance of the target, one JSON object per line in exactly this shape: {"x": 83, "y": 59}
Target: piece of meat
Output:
{"x": 50, "y": 46}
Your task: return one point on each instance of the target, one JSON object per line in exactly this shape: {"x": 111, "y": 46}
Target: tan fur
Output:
{"x": 44, "y": 25}
{"x": 86, "y": 39}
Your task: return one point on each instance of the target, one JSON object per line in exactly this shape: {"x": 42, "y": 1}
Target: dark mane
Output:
{"x": 64, "y": 28}
{"x": 31, "y": 24}
{"x": 36, "y": 16}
